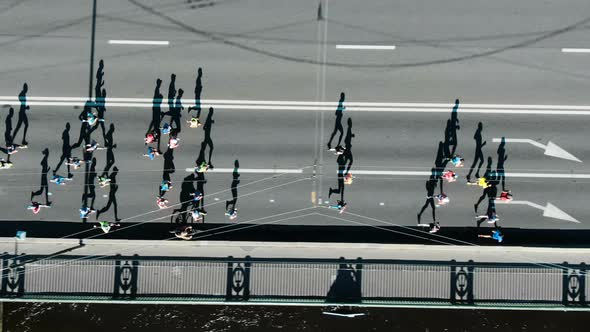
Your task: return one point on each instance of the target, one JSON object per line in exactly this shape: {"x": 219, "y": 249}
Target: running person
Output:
{"x": 496, "y": 235}
{"x": 36, "y": 206}
{"x": 106, "y": 226}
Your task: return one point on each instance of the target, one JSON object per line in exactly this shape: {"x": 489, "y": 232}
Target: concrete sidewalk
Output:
{"x": 293, "y": 250}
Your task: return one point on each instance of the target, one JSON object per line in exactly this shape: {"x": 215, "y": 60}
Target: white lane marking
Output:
{"x": 365, "y": 47}
{"x": 402, "y": 173}
{"x": 320, "y": 108}
{"x": 271, "y": 200}
{"x": 331, "y": 105}
{"x": 138, "y": 42}
{"x": 252, "y": 170}
{"x": 381, "y": 204}
{"x": 551, "y": 149}
{"x": 507, "y": 174}
{"x": 575, "y": 50}
{"x": 549, "y": 210}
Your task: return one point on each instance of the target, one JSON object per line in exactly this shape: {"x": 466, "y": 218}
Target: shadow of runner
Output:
{"x": 8, "y": 132}
{"x": 338, "y": 122}
{"x": 44, "y": 183}
{"x": 479, "y": 144}
{"x": 113, "y": 187}
{"x": 154, "y": 126}
{"x": 230, "y": 206}
{"x": 66, "y": 150}
{"x": 187, "y": 190}
{"x": 22, "y": 115}
{"x": 109, "y": 145}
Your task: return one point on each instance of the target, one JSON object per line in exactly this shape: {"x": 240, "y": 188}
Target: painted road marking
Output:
{"x": 365, "y": 47}
{"x": 575, "y": 50}
{"x": 252, "y": 170}
{"x": 399, "y": 173}
{"x": 551, "y": 149}
{"x": 138, "y": 42}
{"x": 549, "y": 210}
{"x": 320, "y": 106}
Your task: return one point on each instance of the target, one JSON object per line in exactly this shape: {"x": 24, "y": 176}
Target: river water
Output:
{"x": 53, "y": 317}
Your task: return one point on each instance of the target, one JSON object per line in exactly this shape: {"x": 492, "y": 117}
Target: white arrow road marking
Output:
{"x": 551, "y": 149}
{"x": 549, "y": 210}
{"x": 290, "y": 105}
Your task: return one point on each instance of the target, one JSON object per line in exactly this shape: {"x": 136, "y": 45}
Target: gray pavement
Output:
{"x": 268, "y": 51}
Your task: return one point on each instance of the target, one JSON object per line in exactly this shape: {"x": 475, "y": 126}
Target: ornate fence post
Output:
{"x": 126, "y": 272}
{"x": 238, "y": 280}
{"x": 462, "y": 283}
{"x": 13, "y": 276}
{"x": 574, "y": 285}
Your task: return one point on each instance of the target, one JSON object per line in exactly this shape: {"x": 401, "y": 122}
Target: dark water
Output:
{"x": 146, "y": 318}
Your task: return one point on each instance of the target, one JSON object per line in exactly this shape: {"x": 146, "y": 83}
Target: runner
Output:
{"x": 106, "y": 225}
{"x": 36, "y": 206}
{"x": 340, "y": 206}
{"x": 496, "y": 235}
{"x": 59, "y": 180}
{"x": 85, "y": 212}
{"x": 162, "y": 203}
{"x": 151, "y": 153}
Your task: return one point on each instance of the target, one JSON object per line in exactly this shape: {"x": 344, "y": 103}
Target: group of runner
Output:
{"x": 488, "y": 181}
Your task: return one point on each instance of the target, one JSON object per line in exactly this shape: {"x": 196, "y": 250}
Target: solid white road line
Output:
{"x": 447, "y": 107}
{"x": 365, "y": 47}
{"x": 398, "y": 173}
{"x": 252, "y": 170}
{"x": 139, "y": 42}
{"x": 575, "y": 50}
{"x": 320, "y": 108}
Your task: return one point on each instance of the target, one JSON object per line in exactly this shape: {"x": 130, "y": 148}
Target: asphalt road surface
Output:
{"x": 500, "y": 59}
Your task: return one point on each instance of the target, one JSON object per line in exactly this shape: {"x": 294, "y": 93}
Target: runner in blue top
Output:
{"x": 496, "y": 235}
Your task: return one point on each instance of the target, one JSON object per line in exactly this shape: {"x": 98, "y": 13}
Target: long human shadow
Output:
{"x": 341, "y": 162}
{"x": 100, "y": 95}
{"x": 198, "y": 91}
{"x": 430, "y": 188}
{"x": 91, "y": 192}
{"x": 66, "y": 150}
{"x": 174, "y": 105}
{"x": 479, "y": 144}
{"x": 8, "y": 132}
{"x": 346, "y": 288}
{"x": 440, "y": 163}
{"x": 338, "y": 122}
{"x": 169, "y": 167}
{"x": 154, "y": 126}
{"x": 451, "y": 131}
{"x": 187, "y": 189}
{"x": 22, "y": 115}
{"x": 85, "y": 130}
{"x": 44, "y": 183}
{"x": 110, "y": 145}
{"x": 113, "y": 187}
{"x": 207, "y": 140}
{"x": 348, "y": 145}
{"x": 502, "y": 157}
{"x": 230, "y": 206}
